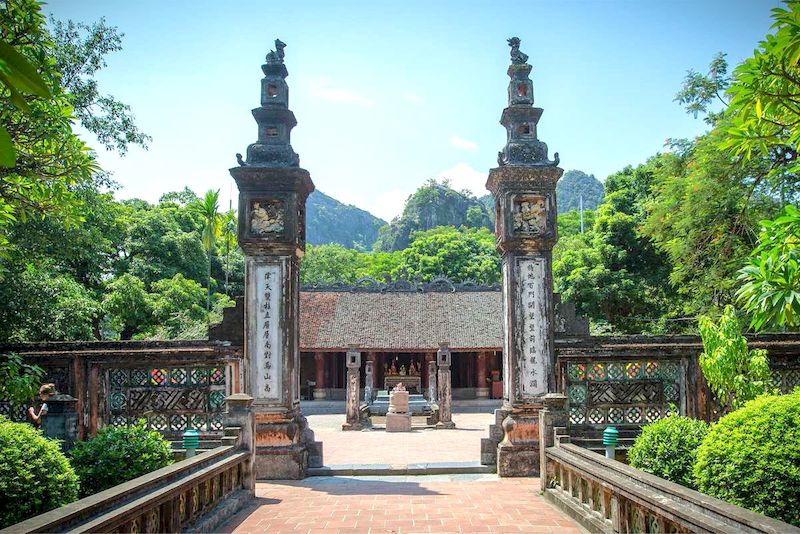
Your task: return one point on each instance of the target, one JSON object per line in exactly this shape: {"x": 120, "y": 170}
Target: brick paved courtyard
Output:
{"x": 457, "y": 503}
{"x": 463, "y": 444}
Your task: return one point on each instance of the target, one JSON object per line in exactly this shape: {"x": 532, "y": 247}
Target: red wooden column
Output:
{"x": 320, "y": 391}
{"x": 480, "y": 377}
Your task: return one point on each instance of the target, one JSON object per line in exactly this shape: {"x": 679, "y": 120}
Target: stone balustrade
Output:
{"x": 605, "y": 495}
{"x": 195, "y": 494}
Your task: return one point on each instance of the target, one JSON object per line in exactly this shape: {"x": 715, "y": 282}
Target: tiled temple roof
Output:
{"x": 402, "y": 321}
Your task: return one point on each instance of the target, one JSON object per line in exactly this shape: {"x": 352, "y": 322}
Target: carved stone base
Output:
{"x": 285, "y": 445}
{"x": 398, "y": 422}
{"x": 352, "y": 426}
{"x": 445, "y": 425}
{"x": 518, "y": 453}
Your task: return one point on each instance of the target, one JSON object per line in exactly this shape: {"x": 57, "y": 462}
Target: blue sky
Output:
{"x": 389, "y": 94}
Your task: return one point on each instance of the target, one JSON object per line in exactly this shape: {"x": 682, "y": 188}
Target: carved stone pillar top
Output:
{"x": 443, "y": 356}
{"x": 353, "y": 357}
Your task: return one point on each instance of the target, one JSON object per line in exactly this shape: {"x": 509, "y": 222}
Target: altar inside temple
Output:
{"x": 404, "y": 369}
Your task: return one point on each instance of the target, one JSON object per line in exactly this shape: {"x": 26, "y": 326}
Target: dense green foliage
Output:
{"x": 734, "y": 373}
{"x": 19, "y": 381}
{"x": 460, "y": 254}
{"x": 434, "y": 204}
{"x": 751, "y": 458}
{"x": 771, "y": 290}
{"x": 35, "y": 476}
{"x": 576, "y": 185}
{"x": 667, "y": 448}
{"x": 118, "y": 454}
{"x": 331, "y": 221}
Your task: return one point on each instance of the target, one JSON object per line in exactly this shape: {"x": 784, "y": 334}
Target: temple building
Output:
{"x": 398, "y": 326}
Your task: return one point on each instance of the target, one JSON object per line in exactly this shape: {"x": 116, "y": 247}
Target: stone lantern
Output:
{"x": 272, "y": 203}
{"x": 524, "y": 188}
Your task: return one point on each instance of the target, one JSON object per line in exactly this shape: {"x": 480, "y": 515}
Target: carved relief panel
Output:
{"x": 529, "y": 214}
{"x": 266, "y": 217}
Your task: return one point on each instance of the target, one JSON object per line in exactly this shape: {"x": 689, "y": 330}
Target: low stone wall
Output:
{"x": 173, "y": 385}
{"x": 605, "y": 495}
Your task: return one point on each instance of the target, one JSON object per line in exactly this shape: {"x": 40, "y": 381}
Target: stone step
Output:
{"x": 433, "y": 468}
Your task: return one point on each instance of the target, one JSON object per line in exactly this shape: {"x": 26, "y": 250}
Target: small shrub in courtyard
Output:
{"x": 667, "y": 448}
{"x": 118, "y": 454}
{"x": 751, "y": 457}
{"x": 35, "y": 476}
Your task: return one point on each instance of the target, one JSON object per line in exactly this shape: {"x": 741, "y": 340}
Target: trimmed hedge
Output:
{"x": 667, "y": 448}
{"x": 751, "y": 457}
{"x": 35, "y": 477}
{"x": 118, "y": 454}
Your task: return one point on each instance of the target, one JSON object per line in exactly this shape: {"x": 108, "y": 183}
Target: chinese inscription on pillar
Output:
{"x": 534, "y": 327}
{"x": 268, "y": 291}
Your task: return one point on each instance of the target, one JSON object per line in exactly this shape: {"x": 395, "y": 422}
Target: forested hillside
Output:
{"x": 576, "y": 184}
{"x": 331, "y": 221}
{"x": 434, "y": 204}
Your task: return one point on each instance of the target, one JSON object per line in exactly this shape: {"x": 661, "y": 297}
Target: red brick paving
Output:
{"x": 400, "y": 505}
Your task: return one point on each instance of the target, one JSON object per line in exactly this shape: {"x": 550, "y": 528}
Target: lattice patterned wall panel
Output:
{"x": 170, "y": 399}
{"x": 634, "y": 392}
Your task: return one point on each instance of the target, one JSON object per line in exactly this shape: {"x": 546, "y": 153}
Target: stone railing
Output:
{"x": 173, "y": 386}
{"x": 194, "y": 494}
{"x": 605, "y": 495}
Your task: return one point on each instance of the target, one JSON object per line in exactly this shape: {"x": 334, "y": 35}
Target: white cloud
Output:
{"x": 412, "y": 98}
{"x": 463, "y": 144}
{"x": 325, "y": 89}
{"x": 462, "y": 176}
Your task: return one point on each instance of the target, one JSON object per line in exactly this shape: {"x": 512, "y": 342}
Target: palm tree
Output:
{"x": 229, "y": 238}
{"x": 211, "y": 219}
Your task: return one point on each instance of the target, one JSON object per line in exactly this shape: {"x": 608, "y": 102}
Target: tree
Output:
{"x": 208, "y": 209}
{"x": 228, "y": 233}
{"x": 764, "y": 107}
{"x": 129, "y": 305}
{"x": 80, "y": 51}
{"x": 19, "y": 381}
{"x": 459, "y": 254}
{"x": 51, "y": 159}
{"x": 734, "y": 373}
{"x": 332, "y": 263}
{"x": 771, "y": 290}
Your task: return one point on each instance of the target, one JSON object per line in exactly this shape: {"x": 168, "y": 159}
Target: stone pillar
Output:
{"x": 369, "y": 381}
{"x": 554, "y": 414}
{"x": 239, "y": 413}
{"x": 320, "y": 390}
{"x": 524, "y": 186}
{"x": 480, "y": 377}
{"x": 372, "y": 357}
{"x": 272, "y": 201}
{"x": 444, "y": 390}
{"x": 433, "y": 392}
{"x": 352, "y": 387}
{"x": 61, "y": 420}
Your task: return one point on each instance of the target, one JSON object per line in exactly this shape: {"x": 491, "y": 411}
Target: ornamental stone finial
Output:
{"x": 520, "y": 118}
{"x": 274, "y": 118}
{"x": 517, "y": 57}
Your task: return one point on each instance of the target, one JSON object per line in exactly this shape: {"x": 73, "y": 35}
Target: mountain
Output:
{"x": 331, "y": 221}
{"x": 433, "y": 204}
{"x": 574, "y": 184}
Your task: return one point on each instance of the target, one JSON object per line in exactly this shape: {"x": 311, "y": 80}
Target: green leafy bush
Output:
{"x": 751, "y": 457}
{"x": 35, "y": 476}
{"x": 118, "y": 454}
{"x": 667, "y": 448}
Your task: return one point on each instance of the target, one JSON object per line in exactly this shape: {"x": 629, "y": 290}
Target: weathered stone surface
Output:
{"x": 352, "y": 400}
{"x": 398, "y": 422}
{"x": 445, "y": 393}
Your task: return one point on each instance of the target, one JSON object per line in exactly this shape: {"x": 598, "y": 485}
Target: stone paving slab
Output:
{"x": 420, "y": 446}
{"x": 401, "y": 504}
